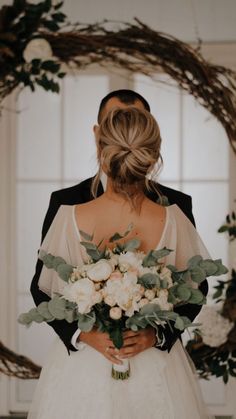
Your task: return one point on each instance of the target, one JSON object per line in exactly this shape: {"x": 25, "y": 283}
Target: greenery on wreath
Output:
{"x": 214, "y": 353}
{"x": 37, "y": 44}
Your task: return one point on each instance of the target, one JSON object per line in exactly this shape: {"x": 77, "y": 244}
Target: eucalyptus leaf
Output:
{"x": 183, "y": 292}
{"x": 179, "y": 323}
{"x": 86, "y": 321}
{"x": 194, "y": 261}
{"x": 118, "y": 236}
{"x": 86, "y": 236}
{"x": 149, "y": 280}
{"x": 221, "y": 268}
{"x": 64, "y": 271}
{"x": 56, "y": 307}
{"x": 158, "y": 254}
{"x": 196, "y": 297}
{"x": 58, "y": 261}
{"x": 132, "y": 245}
{"x": 116, "y": 337}
{"x": 35, "y": 316}
{"x": 149, "y": 260}
{"x": 43, "y": 310}
{"x": 209, "y": 266}
{"x": 198, "y": 274}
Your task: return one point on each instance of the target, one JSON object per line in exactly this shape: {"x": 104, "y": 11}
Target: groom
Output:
{"x": 68, "y": 332}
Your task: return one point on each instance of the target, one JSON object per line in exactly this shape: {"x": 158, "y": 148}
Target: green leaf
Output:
{"x": 56, "y": 307}
{"x": 179, "y": 323}
{"x": 118, "y": 236}
{"x": 43, "y": 310}
{"x": 149, "y": 280}
{"x": 183, "y": 292}
{"x": 86, "y": 321}
{"x": 223, "y": 228}
{"x": 132, "y": 245}
{"x": 64, "y": 271}
{"x": 58, "y": 261}
{"x": 197, "y": 274}
{"x": 209, "y": 267}
{"x": 35, "y": 316}
{"x": 196, "y": 297}
{"x": 159, "y": 254}
{"x": 51, "y": 66}
{"x": 58, "y": 5}
{"x": 194, "y": 261}
{"x": 149, "y": 260}
{"x": 221, "y": 268}
{"x": 25, "y": 318}
{"x": 164, "y": 284}
{"x": 59, "y": 17}
{"x": 116, "y": 337}
{"x": 50, "y": 24}
{"x": 69, "y": 316}
{"x": 86, "y": 236}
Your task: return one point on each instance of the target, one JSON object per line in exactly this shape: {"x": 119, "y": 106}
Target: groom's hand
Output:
{"x": 135, "y": 342}
{"x": 102, "y": 343}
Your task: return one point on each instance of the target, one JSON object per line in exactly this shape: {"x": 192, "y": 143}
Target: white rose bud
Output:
{"x": 100, "y": 271}
{"x": 150, "y": 294}
{"x": 143, "y": 302}
{"x": 97, "y": 297}
{"x": 37, "y": 48}
{"x": 109, "y": 300}
{"x": 115, "y": 313}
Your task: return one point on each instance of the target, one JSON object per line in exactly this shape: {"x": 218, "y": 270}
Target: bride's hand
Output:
{"x": 102, "y": 343}
{"x": 135, "y": 342}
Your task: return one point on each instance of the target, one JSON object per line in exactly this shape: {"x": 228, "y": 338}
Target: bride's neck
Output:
{"x": 111, "y": 194}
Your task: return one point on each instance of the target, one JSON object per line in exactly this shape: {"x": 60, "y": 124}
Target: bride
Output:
{"x": 162, "y": 385}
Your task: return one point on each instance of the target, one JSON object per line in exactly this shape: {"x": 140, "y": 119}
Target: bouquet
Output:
{"x": 120, "y": 288}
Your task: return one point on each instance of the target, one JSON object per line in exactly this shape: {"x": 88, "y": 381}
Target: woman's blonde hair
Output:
{"x": 128, "y": 146}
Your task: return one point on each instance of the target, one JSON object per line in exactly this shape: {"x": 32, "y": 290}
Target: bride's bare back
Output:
{"x": 105, "y": 215}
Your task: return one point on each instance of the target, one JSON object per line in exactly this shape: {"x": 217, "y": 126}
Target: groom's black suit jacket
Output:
{"x": 80, "y": 194}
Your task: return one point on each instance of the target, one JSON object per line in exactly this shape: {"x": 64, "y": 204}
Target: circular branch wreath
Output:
{"x": 36, "y": 39}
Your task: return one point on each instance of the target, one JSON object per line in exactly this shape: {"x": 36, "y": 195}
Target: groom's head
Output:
{"x": 121, "y": 99}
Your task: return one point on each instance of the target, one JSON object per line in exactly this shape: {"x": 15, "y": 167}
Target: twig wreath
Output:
{"x": 36, "y": 39}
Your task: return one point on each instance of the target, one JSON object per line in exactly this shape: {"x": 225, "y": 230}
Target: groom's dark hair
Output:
{"x": 124, "y": 95}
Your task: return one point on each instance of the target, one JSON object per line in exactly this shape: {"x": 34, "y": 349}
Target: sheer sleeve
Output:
{"x": 60, "y": 240}
{"x": 182, "y": 237}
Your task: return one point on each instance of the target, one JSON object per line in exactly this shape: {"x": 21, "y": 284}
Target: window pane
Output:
{"x": 38, "y": 135}
{"x": 205, "y": 145}
{"x": 82, "y": 98}
{"x": 32, "y": 204}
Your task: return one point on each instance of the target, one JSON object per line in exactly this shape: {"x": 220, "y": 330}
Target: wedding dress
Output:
{"x": 162, "y": 385}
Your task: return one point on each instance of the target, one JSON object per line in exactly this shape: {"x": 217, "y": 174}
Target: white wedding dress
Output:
{"x": 162, "y": 385}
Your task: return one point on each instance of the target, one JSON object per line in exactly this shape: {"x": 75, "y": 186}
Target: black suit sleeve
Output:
{"x": 188, "y": 310}
{"x": 63, "y": 329}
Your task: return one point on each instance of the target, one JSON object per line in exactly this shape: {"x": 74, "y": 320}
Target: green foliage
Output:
{"x": 149, "y": 280}
{"x": 152, "y": 258}
{"x": 118, "y": 236}
{"x": 86, "y": 321}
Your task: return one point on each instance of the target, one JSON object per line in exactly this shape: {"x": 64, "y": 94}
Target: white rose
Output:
{"x": 100, "y": 271}
{"x": 115, "y": 313}
{"x": 143, "y": 302}
{"x": 82, "y": 293}
{"x": 214, "y": 327}
{"x": 109, "y": 300}
{"x": 37, "y": 48}
{"x": 166, "y": 274}
{"x": 130, "y": 259}
{"x": 97, "y": 297}
{"x": 149, "y": 294}
{"x": 161, "y": 300}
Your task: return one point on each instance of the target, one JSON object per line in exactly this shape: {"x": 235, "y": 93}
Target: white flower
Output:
{"x": 149, "y": 294}
{"x": 110, "y": 301}
{"x": 161, "y": 300}
{"x": 166, "y": 274}
{"x": 82, "y": 293}
{"x": 97, "y": 297}
{"x": 37, "y": 48}
{"x": 214, "y": 327}
{"x": 115, "y": 313}
{"x": 143, "y": 302}
{"x": 100, "y": 271}
{"x": 129, "y": 259}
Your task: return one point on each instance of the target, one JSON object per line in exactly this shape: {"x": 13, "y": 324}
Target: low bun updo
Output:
{"x": 128, "y": 144}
